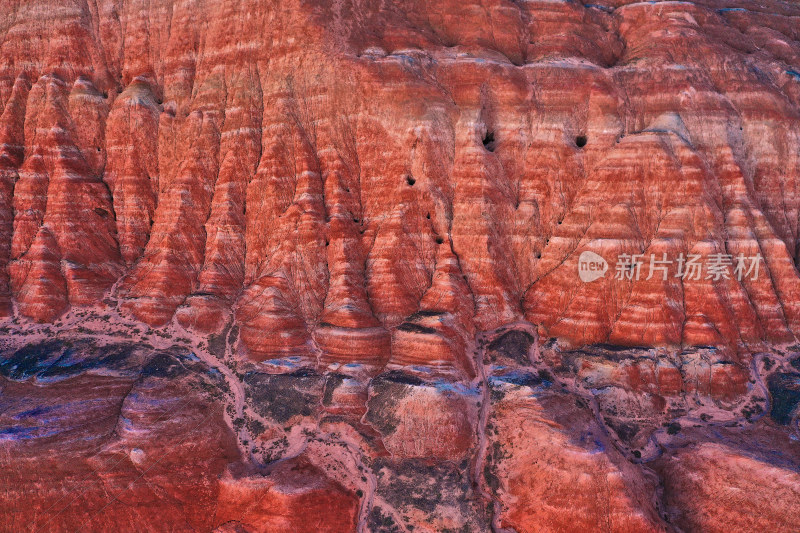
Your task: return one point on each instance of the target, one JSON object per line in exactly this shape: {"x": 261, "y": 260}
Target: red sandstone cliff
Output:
{"x": 341, "y": 190}
{"x": 322, "y": 172}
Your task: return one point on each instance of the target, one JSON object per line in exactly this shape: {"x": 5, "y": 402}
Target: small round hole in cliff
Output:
{"x": 439, "y": 240}
{"x": 488, "y": 141}
{"x": 98, "y": 148}
{"x": 428, "y": 216}
{"x": 580, "y": 141}
{"x": 448, "y": 42}
{"x": 411, "y": 181}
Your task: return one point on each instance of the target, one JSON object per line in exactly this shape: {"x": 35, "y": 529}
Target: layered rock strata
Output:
{"x": 372, "y": 184}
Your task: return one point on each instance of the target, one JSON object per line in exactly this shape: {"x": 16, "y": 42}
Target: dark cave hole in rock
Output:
{"x": 439, "y": 240}
{"x": 489, "y": 142}
{"x": 411, "y": 181}
{"x": 580, "y": 141}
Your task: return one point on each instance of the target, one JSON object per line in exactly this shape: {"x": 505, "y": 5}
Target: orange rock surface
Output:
{"x": 364, "y": 225}
{"x": 144, "y": 447}
{"x": 714, "y": 487}
{"x": 101, "y": 435}
{"x": 320, "y": 173}
{"x": 553, "y": 470}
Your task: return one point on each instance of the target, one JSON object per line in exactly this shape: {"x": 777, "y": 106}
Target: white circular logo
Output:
{"x": 591, "y": 267}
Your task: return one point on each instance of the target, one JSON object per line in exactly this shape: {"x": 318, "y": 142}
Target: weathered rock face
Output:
{"x": 759, "y": 485}
{"x": 100, "y": 433}
{"x": 130, "y": 437}
{"x": 395, "y": 236}
{"x": 368, "y": 180}
{"x": 553, "y": 468}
